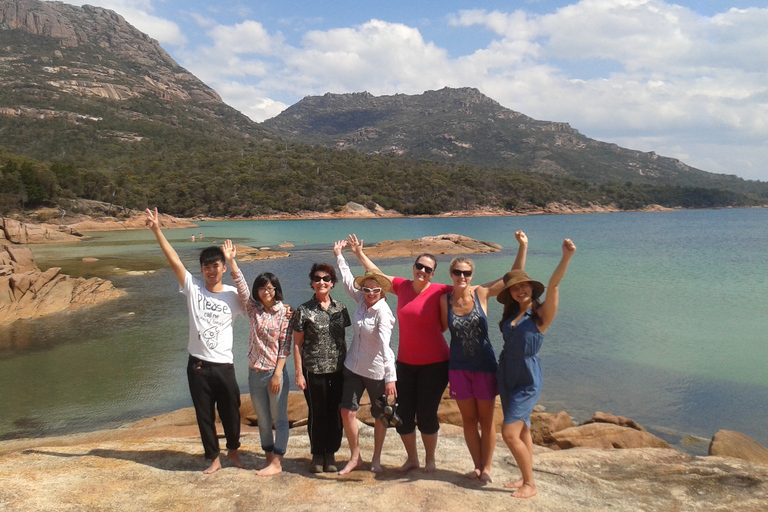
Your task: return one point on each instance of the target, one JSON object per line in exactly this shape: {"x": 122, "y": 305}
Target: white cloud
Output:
{"x": 378, "y": 56}
{"x": 248, "y": 37}
{"x": 250, "y": 100}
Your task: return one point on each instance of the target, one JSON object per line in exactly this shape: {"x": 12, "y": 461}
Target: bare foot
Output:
{"x": 267, "y": 462}
{"x": 472, "y": 475}
{"x": 485, "y": 477}
{"x": 275, "y": 467}
{"x": 514, "y": 485}
{"x": 409, "y": 465}
{"x": 235, "y": 457}
{"x": 376, "y": 467}
{"x": 214, "y": 467}
{"x": 352, "y": 465}
{"x": 526, "y": 491}
{"x": 430, "y": 467}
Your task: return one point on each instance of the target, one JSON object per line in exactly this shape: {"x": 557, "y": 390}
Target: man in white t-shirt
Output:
{"x": 212, "y": 307}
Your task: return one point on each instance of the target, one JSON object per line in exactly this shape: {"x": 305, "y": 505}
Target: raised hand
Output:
{"x": 153, "y": 219}
{"x": 229, "y": 250}
{"x": 568, "y": 247}
{"x": 355, "y": 245}
{"x": 521, "y": 238}
{"x": 338, "y": 245}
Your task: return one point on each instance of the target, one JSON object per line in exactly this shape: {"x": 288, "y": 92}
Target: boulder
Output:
{"x": 601, "y": 417}
{"x": 28, "y": 292}
{"x": 545, "y": 424}
{"x": 605, "y": 436}
{"x": 727, "y": 443}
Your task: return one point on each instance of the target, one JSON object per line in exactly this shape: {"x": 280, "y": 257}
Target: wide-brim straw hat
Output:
{"x": 514, "y": 277}
{"x": 386, "y": 284}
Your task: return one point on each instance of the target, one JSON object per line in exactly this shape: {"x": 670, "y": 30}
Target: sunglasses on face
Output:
{"x": 459, "y": 273}
{"x": 266, "y": 290}
{"x": 371, "y": 290}
{"x": 317, "y": 279}
{"x": 425, "y": 268}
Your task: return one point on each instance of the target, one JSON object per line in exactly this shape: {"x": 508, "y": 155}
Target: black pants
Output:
{"x": 323, "y": 395}
{"x": 212, "y": 386}
{"x": 420, "y": 388}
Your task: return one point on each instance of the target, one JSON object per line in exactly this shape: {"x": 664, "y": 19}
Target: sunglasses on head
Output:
{"x": 371, "y": 290}
{"x": 459, "y": 273}
{"x": 425, "y": 268}
{"x": 317, "y": 279}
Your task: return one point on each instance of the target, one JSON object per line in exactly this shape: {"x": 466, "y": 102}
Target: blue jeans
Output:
{"x": 270, "y": 410}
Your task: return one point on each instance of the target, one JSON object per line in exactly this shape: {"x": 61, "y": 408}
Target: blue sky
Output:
{"x": 687, "y": 80}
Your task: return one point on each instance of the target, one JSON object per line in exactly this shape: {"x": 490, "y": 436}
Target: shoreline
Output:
{"x": 71, "y": 228}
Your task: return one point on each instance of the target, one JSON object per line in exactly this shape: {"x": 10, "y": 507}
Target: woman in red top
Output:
{"x": 422, "y": 356}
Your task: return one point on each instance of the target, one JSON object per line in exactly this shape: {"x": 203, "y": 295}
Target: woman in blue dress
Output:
{"x": 523, "y": 324}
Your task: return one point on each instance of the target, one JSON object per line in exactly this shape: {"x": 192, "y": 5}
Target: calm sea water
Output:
{"x": 663, "y": 318}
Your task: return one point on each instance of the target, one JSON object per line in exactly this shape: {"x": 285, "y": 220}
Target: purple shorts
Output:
{"x": 478, "y": 385}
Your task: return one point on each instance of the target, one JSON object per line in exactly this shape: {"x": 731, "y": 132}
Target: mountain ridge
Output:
{"x": 462, "y": 125}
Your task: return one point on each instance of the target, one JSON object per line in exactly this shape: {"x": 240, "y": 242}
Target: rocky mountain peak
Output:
{"x": 101, "y": 35}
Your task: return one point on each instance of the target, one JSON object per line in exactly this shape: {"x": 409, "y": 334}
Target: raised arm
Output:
{"x": 493, "y": 288}
{"x": 356, "y": 246}
{"x": 153, "y": 222}
{"x": 548, "y": 309}
{"x": 230, "y": 256}
{"x": 346, "y": 275}
{"x": 522, "y": 251}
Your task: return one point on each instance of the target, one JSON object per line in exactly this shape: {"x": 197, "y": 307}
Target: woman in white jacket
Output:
{"x": 370, "y": 362}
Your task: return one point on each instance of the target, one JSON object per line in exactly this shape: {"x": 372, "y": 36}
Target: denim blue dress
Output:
{"x": 519, "y": 373}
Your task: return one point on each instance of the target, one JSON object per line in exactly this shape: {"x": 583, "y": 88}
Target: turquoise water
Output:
{"x": 662, "y": 317}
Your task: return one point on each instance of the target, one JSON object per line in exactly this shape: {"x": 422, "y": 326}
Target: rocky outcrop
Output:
{"x": 727, "y": 443}
{"x": 163, "y": 458}
{"x": 356, "y": 210}
{"x": 28, "y": 292}
{"x": 605, "y": 436}
{"x": 601, "y": 417}
{"x": 567, "y": 207}
{"x": 134, "y": 221}
{"x": 440, "y": 244}
{"x": 75, "y": 26}
{"x": 17, "y": 232}
{"x": 245, "y": 253}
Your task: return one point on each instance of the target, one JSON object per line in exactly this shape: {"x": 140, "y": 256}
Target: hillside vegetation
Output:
{"x": 92, "y": 108}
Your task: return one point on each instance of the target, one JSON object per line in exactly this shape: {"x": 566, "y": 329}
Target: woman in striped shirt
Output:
{"x": 268, "y": 347}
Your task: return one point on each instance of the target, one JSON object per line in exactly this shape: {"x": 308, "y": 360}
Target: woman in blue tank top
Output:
{"x": 472, "y": 365}
{"x": 523, "y": 324}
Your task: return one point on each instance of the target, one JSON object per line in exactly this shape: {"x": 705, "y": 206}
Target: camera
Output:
{"x": 389, "y": 417}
